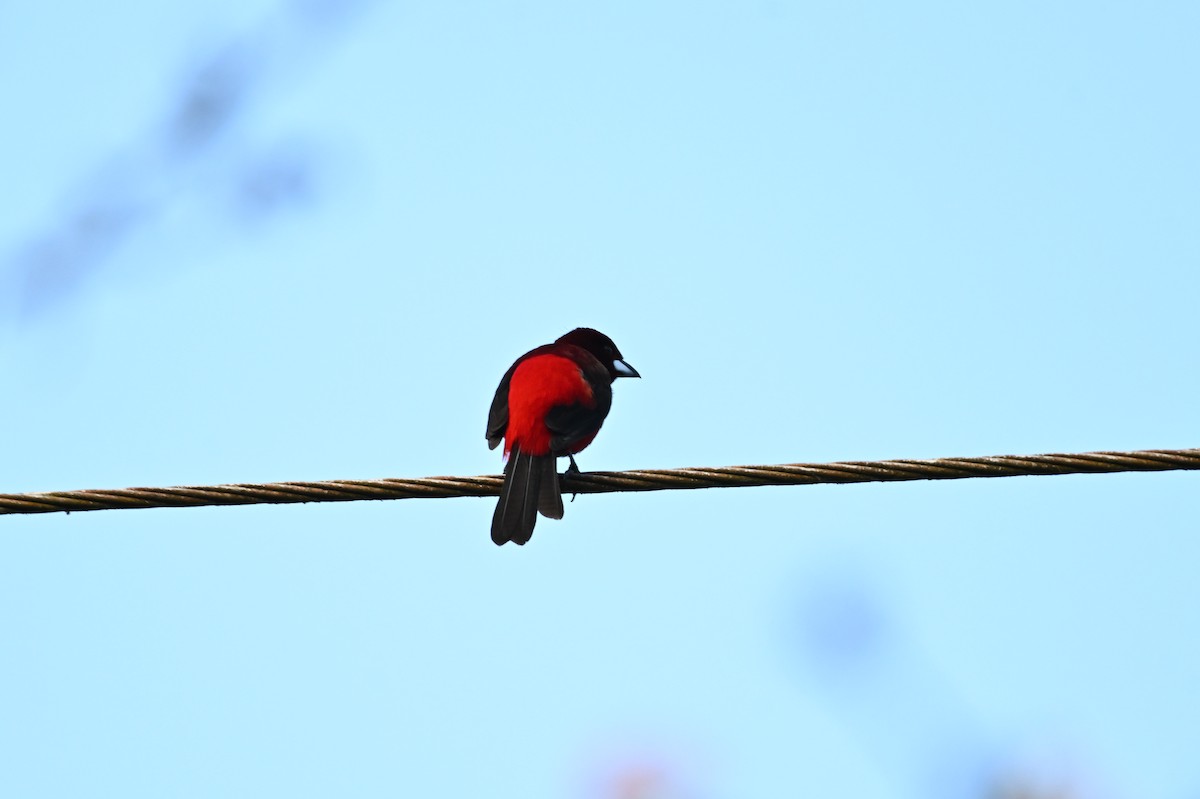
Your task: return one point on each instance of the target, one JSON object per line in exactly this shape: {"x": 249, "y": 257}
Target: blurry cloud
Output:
{"x": 199, "y": 147}
{"x": 211, "y": 99}
{"x": 53, "y": 264}
{"x": 283, "y": 176}
{"x": 843, "y": 627}
{"x": 854, "y": 649}
{"x": 891, "y": 696}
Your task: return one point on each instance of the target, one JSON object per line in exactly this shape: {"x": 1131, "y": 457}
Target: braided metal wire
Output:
{"x": 1154, "y": 460}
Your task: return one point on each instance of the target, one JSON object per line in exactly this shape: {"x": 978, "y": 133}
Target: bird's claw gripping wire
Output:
{"x": 573, "y": 469}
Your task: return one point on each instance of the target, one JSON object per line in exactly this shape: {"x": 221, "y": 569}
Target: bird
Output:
{"x": 550, "y": 403}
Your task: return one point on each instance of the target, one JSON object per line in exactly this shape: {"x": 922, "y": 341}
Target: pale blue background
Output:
{"x": 822, "y": 231}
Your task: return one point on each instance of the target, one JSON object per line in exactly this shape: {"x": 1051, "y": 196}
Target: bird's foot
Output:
{"x": 572, "y": 470}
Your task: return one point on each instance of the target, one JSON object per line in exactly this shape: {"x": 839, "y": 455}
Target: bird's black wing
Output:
{"x": 498, "y": 415}
{"x": 570, "y": 424}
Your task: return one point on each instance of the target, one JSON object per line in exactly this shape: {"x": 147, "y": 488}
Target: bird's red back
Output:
{"x": 540, "y": 383}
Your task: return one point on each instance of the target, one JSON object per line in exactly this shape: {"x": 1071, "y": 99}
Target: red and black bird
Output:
{"x": 550, "y": 404}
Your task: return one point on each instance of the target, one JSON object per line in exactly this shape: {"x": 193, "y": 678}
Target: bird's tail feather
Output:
{"x": 550, "y": 502}
{"x": 530, "y": 485}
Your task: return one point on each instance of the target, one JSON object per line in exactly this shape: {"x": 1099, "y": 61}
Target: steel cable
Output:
{"x": 1154, "y": 460}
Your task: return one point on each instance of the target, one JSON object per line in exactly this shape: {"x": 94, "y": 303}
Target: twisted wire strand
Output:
{"x": 1152, "y": 460}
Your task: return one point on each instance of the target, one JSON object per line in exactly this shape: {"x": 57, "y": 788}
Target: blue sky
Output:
{"x": 820, "y": 232}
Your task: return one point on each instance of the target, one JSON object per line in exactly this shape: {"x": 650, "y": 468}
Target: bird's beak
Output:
{"x": 622, "y": 369}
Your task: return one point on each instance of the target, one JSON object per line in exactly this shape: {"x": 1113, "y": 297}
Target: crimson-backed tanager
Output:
{"x": 549, "y": 404}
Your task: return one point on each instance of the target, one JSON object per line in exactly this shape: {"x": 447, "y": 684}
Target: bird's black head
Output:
{"x": 603, "y": 348}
